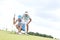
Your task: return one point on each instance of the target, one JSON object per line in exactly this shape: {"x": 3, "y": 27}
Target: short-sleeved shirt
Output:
{"x": 26, "y": 18}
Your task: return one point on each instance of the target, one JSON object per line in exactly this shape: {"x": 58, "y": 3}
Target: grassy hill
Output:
{"x": 4, "y": 35}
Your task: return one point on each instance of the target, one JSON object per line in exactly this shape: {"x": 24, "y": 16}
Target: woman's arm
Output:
{"x": 14, "y": 19}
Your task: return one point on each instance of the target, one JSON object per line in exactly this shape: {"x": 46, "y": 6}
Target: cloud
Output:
{"x": 44, "y": 14}
{"x": 41, "y": 3}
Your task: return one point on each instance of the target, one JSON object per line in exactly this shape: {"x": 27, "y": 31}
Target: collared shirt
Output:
{"x": 25, "y": 18}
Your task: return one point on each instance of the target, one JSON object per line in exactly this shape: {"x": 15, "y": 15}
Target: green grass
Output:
{"x": 4, "y": 35}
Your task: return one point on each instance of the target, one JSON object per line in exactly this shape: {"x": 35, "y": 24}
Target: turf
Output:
{"x": 5, "y": 35}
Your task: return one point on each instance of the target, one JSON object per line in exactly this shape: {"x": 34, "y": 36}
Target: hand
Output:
{"x": 29, "y": 21}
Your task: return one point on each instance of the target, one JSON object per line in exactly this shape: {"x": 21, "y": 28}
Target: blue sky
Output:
{"x": 45, "y": 14}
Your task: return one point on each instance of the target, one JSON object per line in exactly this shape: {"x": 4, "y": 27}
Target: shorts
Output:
{"x": 19, "y": 24}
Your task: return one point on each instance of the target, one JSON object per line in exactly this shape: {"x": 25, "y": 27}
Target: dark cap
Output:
{"x": 26, "y": 12}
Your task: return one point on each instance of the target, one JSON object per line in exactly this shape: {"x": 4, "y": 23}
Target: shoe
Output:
{"x": 20, "y": 33}
{"x": 17, "y": 32}
{"x": 25, "y": 33}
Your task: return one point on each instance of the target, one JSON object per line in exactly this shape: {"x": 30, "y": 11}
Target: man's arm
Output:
{"x": 30, "y": 20}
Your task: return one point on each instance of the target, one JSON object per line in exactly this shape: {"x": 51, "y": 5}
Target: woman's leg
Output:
{"x": 19, "y": 28}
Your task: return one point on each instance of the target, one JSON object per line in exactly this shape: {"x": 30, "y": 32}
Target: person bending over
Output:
{"x": 26, "y": 19}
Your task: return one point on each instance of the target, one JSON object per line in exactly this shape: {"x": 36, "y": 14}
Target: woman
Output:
{"x": 18, "y": 23}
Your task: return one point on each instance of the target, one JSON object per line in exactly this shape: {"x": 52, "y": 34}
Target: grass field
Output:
{"x": 4, "y": 35}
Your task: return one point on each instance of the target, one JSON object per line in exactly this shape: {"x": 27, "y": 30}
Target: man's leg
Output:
{"x": 27, "y": 28}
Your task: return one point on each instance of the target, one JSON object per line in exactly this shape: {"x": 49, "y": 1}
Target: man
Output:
{"x": 18, "y": 23}
{"x": 26, "y": 19}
